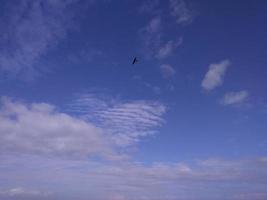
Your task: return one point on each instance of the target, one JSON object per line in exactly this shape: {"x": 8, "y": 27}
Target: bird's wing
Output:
{"x": 134, "y": 61}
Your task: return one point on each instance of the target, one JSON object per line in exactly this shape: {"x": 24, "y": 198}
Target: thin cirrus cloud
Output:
{"x": 214, "y": 76}
{"x": 151, "y": 36}
{"x": 168, "y": 48}
{"x": 149, "y": 6}
{"x": 232, "y": 98}
{"x": 127, "y": 121}
{"x": 181, "y": 12}
{"x": 32, "y": 28}
{"x": 178, "y": 9}
{"x": 154, "y": 25}
{"x": 167, "y": 71}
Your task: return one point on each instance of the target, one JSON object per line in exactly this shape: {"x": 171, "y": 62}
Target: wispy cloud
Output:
{"x": 231, "y": 98}
{"x": 181, "y": 12}
{"x": 126, "y": 120}
{"x": 32, "y": 28}
{"x": 154, "y": 25}
{"x": 168, "y": 48}
{"x": 214, "y": 76}
{"x": 167, "y": 71}
{"x": 156, "y": 44}
{"x": 151, "y": 36}
{"x": 149, "y": 6}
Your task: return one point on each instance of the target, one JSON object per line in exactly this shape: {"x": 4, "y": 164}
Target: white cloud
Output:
{"x": 180, "y": 10}
{"x": 40, "y": 129}
{"x": 128, "y": 121}
{"x": 204, "y": 179}
{"x": 167, "y": 71}
{"x": 234, "y": 97}
{"x": 32, "y": 27}
{"x": 214, "y": 77}
{"x": 22, "y": 192}
{"x": 168, "y": 48}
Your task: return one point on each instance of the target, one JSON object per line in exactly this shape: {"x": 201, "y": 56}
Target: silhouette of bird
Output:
{"x": 134, "y": 60}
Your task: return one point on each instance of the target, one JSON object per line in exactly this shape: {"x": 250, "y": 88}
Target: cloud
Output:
{"x": 214, "y": 77}
{"x": 153, "y": 33}
{"x": 168, "y": 48}
{"x": 167, "y": 71}
{"x": 126, "y": 120}
{"x": 180, "y": 10}
{"x": 23, "y": 193}
{"x": 204, "y": 179}
{"x": 151, "y": 36}
{"x": 154, "y": 25}
{"x": 231, "y": 98}
{"x": 41, "y": 129}
{"x": 32, "y": 28}
{"x": 149, "y": 6}
{"x": 249, "y": 196}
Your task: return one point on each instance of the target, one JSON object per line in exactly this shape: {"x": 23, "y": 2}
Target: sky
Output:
{"x": 78, "y": 120}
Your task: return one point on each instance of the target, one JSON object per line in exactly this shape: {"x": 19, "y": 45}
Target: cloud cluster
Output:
{"x": 203, "y": 179}
{"x": 154, "y": 36}
{"x": 214, "y": 76}
{"x": 47, "y": 141}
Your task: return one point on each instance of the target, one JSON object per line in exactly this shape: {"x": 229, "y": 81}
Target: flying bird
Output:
{"x": 135, "y": 60}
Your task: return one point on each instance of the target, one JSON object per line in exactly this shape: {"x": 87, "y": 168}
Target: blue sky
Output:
{"x": 186, "y": 122}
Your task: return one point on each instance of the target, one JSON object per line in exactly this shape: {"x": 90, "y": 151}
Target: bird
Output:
{"x": 134, "y": 60}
